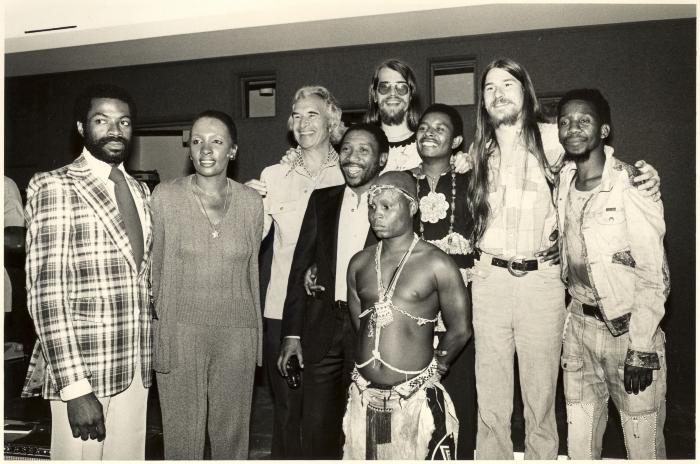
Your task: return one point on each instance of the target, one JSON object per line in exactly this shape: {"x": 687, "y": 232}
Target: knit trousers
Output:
{"x": 210, "y": 390}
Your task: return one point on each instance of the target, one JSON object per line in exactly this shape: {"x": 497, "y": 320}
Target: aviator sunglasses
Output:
{"x": 401, "y": 88}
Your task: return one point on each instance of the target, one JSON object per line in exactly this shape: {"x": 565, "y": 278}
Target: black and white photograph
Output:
{"x": 369, "y": 230}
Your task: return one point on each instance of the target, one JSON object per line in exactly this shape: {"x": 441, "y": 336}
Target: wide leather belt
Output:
{"x": 518, "y": 267}
{"x": 340, "y": 305}
{"x": 592, "y": 311}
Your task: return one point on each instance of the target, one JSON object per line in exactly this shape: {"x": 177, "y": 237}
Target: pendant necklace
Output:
{"x": 214, "y": 231}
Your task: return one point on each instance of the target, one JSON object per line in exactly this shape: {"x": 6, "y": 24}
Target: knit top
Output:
{"x": 198, "y": 279}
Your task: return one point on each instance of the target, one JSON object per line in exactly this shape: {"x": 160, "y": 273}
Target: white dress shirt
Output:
{"x": 353, "y": 226}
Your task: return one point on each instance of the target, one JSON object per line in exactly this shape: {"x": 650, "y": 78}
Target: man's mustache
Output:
{"x": 500, "y": 101}
{"x": 112, "y": 138}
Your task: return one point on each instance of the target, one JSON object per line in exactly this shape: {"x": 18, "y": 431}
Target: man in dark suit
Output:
{"x": 316, "y": 327}
{"x": 88, "y": 289}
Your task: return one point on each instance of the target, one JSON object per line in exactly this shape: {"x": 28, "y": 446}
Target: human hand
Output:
{"x": 85, "y": 417}
{"x": 648, "y": 182}
{"x": 290, "y": 347}
{"x": 257, "y": 185}
{"x": 550, "y": 254}
{"x": 442, "y": 365}
{"x": 637, "y": 379}
{"x": 310, "y": 281}
{"x": 462, "y": 162}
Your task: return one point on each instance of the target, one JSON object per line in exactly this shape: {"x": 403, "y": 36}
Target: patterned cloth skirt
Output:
{"x": 413, "y": 420}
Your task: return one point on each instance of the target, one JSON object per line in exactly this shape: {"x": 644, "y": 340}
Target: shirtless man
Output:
{"x": 395, "y": 290}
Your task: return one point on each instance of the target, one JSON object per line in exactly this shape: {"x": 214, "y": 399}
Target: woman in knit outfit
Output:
{"x": 207, "y": 338}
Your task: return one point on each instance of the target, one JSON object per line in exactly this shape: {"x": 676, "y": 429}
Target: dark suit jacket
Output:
{"x": 312, "y": 317}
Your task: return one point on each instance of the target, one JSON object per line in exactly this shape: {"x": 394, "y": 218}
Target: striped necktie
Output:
{"x": 130, "y": 215}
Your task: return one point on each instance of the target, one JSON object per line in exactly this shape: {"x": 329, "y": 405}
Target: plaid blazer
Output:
{"x": 89, "y": 300}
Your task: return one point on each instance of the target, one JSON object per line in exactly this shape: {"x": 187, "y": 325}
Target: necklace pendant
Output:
{"x": 383, "y": 313}
{"x": 214, "y": 234}
{"x": 433, "y": 207}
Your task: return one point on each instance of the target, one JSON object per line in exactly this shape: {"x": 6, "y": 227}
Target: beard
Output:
{"x": 577, "y": 157}
{"x": 509, "y": 119}
{"x": 506, "y": 117}
{"x": 97, "y": 147}
{"x": 393, "y": 117}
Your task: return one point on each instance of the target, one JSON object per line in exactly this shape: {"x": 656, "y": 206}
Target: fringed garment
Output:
{"x": 413, "y": 420}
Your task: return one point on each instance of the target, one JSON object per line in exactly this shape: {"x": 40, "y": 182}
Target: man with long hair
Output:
{"x": 393, "y": 103}
{"x": 517, "y": 292}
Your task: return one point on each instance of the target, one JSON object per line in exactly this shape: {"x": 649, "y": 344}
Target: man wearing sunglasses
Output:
{"x": 393, "y": 103}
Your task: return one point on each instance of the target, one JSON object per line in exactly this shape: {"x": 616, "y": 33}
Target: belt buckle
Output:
{"x": 515, "y": 272}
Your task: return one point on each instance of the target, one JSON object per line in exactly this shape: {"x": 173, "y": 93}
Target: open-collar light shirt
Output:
{"x": 289, "y": 187}
{"x": 522, "y": 214}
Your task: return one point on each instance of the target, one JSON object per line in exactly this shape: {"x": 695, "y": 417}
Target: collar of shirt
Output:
{"x": 403, "y": 143}
{"x": 569, "y": 169}
{"x": 419, "y": 174}
{"x": 297, "y": 161}
{"x": 102, "y": 170}
{"x": 350, "y": 195}
{"x": 99, "y": 167}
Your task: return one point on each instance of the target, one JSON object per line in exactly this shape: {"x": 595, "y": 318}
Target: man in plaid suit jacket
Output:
{"x": 88, "y": 284}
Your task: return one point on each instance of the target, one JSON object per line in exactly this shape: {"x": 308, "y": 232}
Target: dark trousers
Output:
{"x": 460, "y": 383}
{"x": 286, "y": 430}
{"x": 325, "y": 387}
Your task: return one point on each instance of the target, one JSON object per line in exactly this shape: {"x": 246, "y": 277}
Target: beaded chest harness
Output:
{"x": 382, "y": 312}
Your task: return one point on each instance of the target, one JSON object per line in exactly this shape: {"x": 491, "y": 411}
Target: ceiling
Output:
{"x": 133, "y": 32}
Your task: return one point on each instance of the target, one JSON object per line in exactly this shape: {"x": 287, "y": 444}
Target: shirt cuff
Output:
{"x": 296, "y": 337}
{"x": 76, "y": 389}
{"x": 642, "y": 359}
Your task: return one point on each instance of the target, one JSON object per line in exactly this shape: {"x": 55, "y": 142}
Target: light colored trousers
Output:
{"x": 524, "y": 315}
{"x": 593, "y": 362}
{"x": 125, "y": 424}
{"x": 210, "y": 390}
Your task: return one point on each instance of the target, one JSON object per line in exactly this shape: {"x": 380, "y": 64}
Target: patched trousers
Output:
{"x": 593, "y": 363}
{"x": 524, "y": 315}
